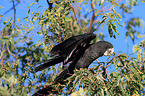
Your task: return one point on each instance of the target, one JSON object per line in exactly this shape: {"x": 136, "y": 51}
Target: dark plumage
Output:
{"x": 68, "y": 50}
{"x": 79, "y": 52}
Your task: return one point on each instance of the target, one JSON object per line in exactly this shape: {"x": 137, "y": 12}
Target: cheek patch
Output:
{"x": 109, "y": 51}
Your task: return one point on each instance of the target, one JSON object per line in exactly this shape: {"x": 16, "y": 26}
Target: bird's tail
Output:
{"x": 60, "y": 79}
{"x": 45, "y": 91}
{"x": 49, "y": 63}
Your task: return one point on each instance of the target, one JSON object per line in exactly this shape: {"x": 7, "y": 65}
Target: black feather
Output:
{"x": 79, "y": 51}
{"x": 67, "y": 50}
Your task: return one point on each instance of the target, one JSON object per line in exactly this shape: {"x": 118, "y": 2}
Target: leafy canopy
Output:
{"x": 23, "y": 45}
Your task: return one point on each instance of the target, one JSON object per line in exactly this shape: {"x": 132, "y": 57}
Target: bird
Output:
{"x": 78, "y": 52}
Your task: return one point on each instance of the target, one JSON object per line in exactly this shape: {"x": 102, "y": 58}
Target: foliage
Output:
{"x": 20, "y": 52}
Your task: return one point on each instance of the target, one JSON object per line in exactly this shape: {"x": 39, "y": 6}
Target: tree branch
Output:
{"x": 102, "y": 10}
{"x": 93, "y": 16}
{"x": 75, "y": 16}
{"x": 1, "y": 54}
{"x": 99, "y": 25}
{"x": 71, "y": 26}
{"x": 14, "y": 13}
{"x": 10, "y": 51}
{"x": 50, "y": 5}
{"x": 108, "y": 61}
{"x": 11, "y": 8}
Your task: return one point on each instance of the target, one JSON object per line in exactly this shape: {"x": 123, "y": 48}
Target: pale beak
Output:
{"x": 109, "y": 51}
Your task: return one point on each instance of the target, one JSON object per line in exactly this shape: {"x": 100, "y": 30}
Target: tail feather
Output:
{"x": 49, "y": 63}
{"x": 45, "y": 91}
{"x": 60, "y": 79}
{"x": 63, "y": 75}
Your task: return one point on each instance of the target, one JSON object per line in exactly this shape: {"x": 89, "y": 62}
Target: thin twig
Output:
{"x": 71, "y": 26}
{"x": 14, "y": 13}
{"x": 11, "y": 8}
{"x": 50, "y": 5}
{"x": 143, "y": 59}
{"x": 98, "y": 62}
{"x": 1, "y": 54}
{"x": 100, "y": 65}
{"x": 106, "y": 8}
{"x": 10, "y": 51}
{"x": 108, "y": 61}
{"x": 99, "y": 25}
{"x": 93, "y": 16}
{"x": 101, "y": 10}
{"x": 75, "y": 16}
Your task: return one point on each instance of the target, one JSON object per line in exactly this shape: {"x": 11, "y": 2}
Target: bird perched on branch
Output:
{"x": 78, "y": 52}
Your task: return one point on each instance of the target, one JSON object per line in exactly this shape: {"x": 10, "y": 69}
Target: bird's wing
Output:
{"x": 49, "y": 63}
{"x": 70, "y": 45}
{"x": 64, "y": 51}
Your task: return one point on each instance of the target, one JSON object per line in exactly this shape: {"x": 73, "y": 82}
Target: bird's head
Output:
{"x": 106, "y": 47}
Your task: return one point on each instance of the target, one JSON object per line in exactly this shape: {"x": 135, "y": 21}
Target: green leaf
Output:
{"x": 1, "y": 15}
{"x": 136, "y": 48}
{"x": 4, "y": 39}
{"x": 114, "y": 28}
{"x": 31, "y": 5}
{"x": 79, "y": 1}
{"x": 12, "y": 41}
{"x": 116, "y": 4}
{"x": 29, "y": 11}
{"x": 141, "y": 36}
{"x": 119, "y": 16}
{"x": 38, "y": 32}
{"x": 68, "y": 19}
{"x": 110, "y": 30}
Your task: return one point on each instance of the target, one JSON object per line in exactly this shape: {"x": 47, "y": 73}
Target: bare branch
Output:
{"x": 1, "y": 54}
{"x": 50, "y": 5}
{"x": 71, "y": 26}
{"x": 10, "y": 51}
{"x": 98, "y": 62}
{"x": 14, "y": 13}
{"x": 10, "y": 9}
{"x": 75, "y": 16}
{"x": 93, "y": 16}
{"x": 99, "y": 25}
{"x": 108, "y": 61}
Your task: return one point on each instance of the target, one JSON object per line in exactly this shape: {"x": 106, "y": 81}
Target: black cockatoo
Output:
{"x": 78, "y": 52}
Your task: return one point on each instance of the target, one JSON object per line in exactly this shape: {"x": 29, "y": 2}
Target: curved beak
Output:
{"x": 109, "y": 51}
